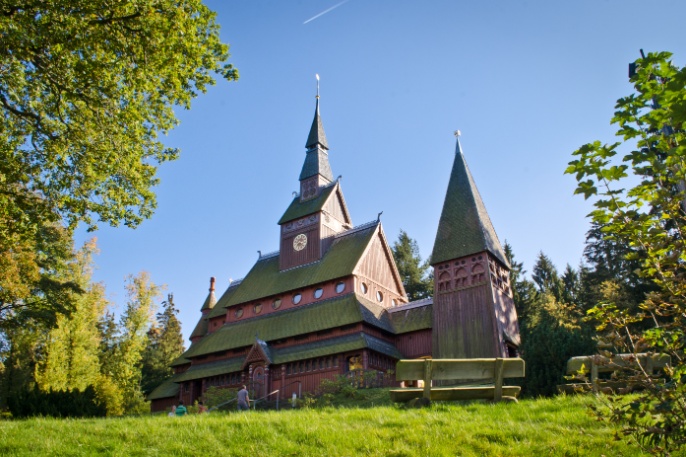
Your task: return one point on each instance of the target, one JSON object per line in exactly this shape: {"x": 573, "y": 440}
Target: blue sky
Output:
{"x": 526, "y": 82}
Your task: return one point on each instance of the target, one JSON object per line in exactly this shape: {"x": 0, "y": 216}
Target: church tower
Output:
{"x": 319, "y": 212}
{"x": 473, "y": 311}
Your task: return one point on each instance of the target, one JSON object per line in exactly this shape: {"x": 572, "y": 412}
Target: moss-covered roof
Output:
{"x": 315, "y": 317}
{"x": 206, "y": 370}
{"x": 340, "y": 260}
{"x": 335, "y": 346}
{"x": 464, "y": 228}
{"x": 219, "y": 308}
{"x": 210, "y": 301}
{"x": 412, "y": 318}
{"x": 298, "y": 209}
{"x": 180, "y": 360}
{"x": 201, "y": 327}
{"x": 167, "y": 389}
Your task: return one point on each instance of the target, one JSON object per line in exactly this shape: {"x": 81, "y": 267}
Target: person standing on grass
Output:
{"x": 181, "y": 410}
{"x": 243, "y": 400}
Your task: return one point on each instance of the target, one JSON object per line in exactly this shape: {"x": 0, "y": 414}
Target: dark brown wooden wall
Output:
{"x": 415, "y": 344}
{"x": 464, "y": 320}
{"x": 289, "y": 257}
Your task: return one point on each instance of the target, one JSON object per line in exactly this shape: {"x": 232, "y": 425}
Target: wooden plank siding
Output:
{"x": 376, "y": 270}
{"x": 290, "y": 258}
{"x": 464, "y": 321}
{"x": 414, "y": 345}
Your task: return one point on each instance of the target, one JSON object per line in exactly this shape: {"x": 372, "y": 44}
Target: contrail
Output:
{"x": 325, "y": 11}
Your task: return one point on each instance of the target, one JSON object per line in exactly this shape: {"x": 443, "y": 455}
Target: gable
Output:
{"x": 336, "y": 207}
{"x": 378, "y": 264}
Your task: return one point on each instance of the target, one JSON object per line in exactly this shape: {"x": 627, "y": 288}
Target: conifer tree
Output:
{"x": 413, "y": 272}
{"x": 165, "y": 344}
{"x": 70, "y": 358}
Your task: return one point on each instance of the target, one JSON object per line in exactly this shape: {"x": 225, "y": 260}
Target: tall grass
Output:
{"x": 557, "y": 427}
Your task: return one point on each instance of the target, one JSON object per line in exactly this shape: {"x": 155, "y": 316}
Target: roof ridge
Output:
{"x": 269, "y": 254}
{"x": 413, "y": 304}
{"x": 358, "y": 228}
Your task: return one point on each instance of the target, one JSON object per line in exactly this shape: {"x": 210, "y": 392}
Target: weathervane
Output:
{"x": 457, "y": 133}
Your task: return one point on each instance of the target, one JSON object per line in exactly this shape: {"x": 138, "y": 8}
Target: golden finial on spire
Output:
{"x": 457, "y": 133}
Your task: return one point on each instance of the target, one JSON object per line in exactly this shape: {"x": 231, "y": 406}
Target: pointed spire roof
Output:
{"x": 317, "y": 135}
{"x": 211, "y": 300}
{"x": 464, "y": 227}
{"x": 317, "y": 157}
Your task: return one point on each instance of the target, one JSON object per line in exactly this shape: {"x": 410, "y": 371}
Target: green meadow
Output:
{"x": 559, "y": 426}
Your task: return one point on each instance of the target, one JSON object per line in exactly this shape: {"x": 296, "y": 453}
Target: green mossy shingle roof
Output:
{"x": 464, "y": 228}
{"x": 298, "y": 209}
{"x": 206, "y": 370}
{"x": 167, "y": 389}
{"x": 316, "y": 163}
{"x": 266, "y": 280}
{"x": 219, "y": 308}
{"x": 315, "y": 317}
{"x": 335, "y": 346}
{"x": 412, "y": 319}
{"x": 180, "y": 360}
{"x": 316, "y": 135}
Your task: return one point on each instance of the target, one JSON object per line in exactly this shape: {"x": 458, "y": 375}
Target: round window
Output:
{"x": 297, "y": 298}
{"x": 276, "y": 304}
{"x": 363, "y": 287}
{"x": 340, "y": 287}
{"x": 258, "y": 308}
{"x": 239, "y": 312}
{"x": 318, "y": 293}
{"x": 379, "y": 296}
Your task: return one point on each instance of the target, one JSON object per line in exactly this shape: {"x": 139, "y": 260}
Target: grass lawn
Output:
{"x": 556, "y": 427}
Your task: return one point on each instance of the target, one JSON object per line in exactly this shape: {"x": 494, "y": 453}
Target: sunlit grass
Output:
{"x": 558, "y": 427}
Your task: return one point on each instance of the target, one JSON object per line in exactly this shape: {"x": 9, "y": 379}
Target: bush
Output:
{"x": 60, "y": 403}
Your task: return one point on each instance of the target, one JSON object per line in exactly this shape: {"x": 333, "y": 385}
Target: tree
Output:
{"x": 646, "y": 213}
{"x": 86, "y": 87}
{"x": 413, "y": 272}
{"x": 70, "y": 359}
{"x": 126, "y": 368}
{"x": 165, "y": 344}
{"x": 523, "y": 290}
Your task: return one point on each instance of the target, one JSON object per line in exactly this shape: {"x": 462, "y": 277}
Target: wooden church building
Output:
{"x": 331, "y": 302}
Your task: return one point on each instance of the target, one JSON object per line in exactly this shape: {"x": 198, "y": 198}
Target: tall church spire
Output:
{"x": 464, "y": 227}
{"x": 316, "y": 171}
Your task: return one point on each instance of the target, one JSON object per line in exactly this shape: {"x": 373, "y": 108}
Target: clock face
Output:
{"x": 299, "y": 242}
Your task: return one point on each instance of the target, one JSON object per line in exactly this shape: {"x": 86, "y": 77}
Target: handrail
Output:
{"x": 255, "y": 402}
{"x": 222, "y": 404}
{"x": 300, "y": 386}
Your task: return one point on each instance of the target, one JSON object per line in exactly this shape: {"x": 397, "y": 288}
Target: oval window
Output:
{"x": 276, "y": 304}
{"x": 318, "y": 293}
{"x": 297, "y": 298}
{"x": 363, "y": 287}
{"x": 379, "y": 296}
{"x": 257, "y": 308}
{"x": 340, "y": 287}
{"x": 394, "y": 302}
{"x": 239, "y": 312}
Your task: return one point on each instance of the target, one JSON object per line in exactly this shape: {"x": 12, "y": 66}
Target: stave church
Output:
{"x": 331, "y": 302}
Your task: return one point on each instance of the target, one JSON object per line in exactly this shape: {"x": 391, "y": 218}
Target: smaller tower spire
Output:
{"x": 317, "y": 137}
{"x": 458, "y": 146}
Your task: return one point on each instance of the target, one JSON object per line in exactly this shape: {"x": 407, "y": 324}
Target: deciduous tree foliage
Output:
{"x": 646, "y": 212}
{"x": 86, "y": 86}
